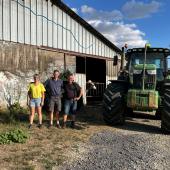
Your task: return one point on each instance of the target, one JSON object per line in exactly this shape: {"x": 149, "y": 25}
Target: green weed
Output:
{"x": 13, "y": 136}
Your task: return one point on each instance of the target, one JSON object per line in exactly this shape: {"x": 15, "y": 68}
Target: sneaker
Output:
{"x": 58, "y": 126}
{"x": 39, "y": 126}
{"x": 72, "y": 124}
{"x": 29, "y": 126}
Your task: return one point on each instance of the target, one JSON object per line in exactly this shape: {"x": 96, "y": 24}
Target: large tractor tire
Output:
{"x": 165, "y": 123}
{"x": 114, "y": 104}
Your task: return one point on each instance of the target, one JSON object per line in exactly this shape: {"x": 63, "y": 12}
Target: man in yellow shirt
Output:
{"x": 35, "y": 99}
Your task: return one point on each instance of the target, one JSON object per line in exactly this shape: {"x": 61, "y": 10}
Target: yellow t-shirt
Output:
{"x": 36, "y": 90}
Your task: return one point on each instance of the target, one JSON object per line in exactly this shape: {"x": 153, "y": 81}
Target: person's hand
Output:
{"x": 42, "y": 103}
{"x": 76, "y": 98}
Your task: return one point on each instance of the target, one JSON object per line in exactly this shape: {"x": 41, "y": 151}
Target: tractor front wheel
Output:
{"x": 114, "y": 104}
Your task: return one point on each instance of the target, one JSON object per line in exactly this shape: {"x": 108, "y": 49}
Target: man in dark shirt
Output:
{"x": 72, "y": 93}
{"x": 54, "y": 89}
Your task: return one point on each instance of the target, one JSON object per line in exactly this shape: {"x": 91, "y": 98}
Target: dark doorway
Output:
{"x": 80, "y": 65}
{"x": 96, "y": 70}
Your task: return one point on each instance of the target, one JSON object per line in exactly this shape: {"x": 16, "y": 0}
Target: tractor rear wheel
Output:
{"x": 165, "y": 123}
{"x": 114, "y": 104}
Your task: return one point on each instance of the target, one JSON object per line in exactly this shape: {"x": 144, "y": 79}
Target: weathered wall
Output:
{"x": 18, "y": 64}
{"x": 112, "y": 71}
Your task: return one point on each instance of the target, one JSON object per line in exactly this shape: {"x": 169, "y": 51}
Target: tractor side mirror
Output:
{"x": 115, "y": 60}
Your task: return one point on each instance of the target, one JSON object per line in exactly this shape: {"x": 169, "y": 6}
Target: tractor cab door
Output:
{"x": 168, "y": 63}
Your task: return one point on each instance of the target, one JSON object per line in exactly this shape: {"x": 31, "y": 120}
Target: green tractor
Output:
{"x": 143, "y": 85}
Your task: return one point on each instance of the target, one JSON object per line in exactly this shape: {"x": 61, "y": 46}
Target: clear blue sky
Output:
{"x": 134, "y": 22}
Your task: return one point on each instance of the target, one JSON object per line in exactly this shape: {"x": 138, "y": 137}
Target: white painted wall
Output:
{"x": 81, "y": 80}
{"x": 38, "y": 22}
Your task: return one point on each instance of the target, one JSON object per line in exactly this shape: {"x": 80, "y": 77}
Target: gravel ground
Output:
{"x": 137, "y": 145}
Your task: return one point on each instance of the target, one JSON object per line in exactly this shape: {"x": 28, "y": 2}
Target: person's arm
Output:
{"x": 29, "y": 94}
{"x": 28, "y": 98}
{"x": 42, "y": 94}
{"x": 80, "y": 93}
{"x": 63, "y": 89}
{"x": 42, "y": 99}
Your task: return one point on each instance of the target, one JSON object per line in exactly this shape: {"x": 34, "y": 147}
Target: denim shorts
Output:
{"x": 35, "y": 102}
{"x": 70, "y": 107}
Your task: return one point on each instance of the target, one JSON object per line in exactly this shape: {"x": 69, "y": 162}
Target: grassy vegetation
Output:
{"x": 13, "y": 136}
{"x": 47, "y": 148}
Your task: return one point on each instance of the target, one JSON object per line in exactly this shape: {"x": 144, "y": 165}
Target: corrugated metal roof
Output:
{"x": 86, "y": 25}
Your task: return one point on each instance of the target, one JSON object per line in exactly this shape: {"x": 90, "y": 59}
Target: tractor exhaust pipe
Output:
{"x": 143, "y": 77}
{"x": 123, "y": 57}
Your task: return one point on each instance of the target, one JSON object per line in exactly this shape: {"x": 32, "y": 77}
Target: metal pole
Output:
{"x": 143, "y": 78}
{"x": 2, "y": 20}
{"x": 10, "y": 18}
{"x": 122, "y": 58}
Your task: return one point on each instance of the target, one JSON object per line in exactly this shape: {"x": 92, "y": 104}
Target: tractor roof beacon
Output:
{"x": 142, "y": 85}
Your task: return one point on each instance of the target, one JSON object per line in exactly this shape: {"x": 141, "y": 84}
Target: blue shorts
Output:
{"x": 70, "y": 107}
{"x": 35, "y": 102}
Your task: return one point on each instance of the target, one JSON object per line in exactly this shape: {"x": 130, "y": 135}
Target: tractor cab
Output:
{"x": 155, "y": 64}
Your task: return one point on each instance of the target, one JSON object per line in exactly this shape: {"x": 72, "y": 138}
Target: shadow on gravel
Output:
{"x": 132, "y": 123}
{"x": 138, "y": 127}
{"x": 142, "y": 116}
{"x": 91, "y": 115}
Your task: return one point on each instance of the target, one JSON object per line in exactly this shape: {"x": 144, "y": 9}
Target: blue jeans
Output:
{"x": 70, "y": 106}
{"x": 35, "y": 102}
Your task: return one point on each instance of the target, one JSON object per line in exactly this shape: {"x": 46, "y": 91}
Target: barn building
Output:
{"x": 38, "y": 36}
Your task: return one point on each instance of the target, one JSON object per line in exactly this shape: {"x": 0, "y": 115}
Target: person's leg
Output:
{"x": 74, "y": 110}
{"x": 32, "y": 112}
{"x": 57, "y": 111}
{"x": 73, "y": 117}
{"x": 51, "y": 110}
{"x": 65, "y": 118}
{"x": 51, "y": 117}
{"x": 57, "y": 119}
{"x": 39, "y": 111}
{"x": 67, "y": 105}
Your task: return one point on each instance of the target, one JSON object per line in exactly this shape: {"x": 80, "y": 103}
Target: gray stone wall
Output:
{"x": 18, "y": 64}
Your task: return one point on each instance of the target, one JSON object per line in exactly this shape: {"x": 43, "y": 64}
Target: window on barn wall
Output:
{"x": 80, "y": 65}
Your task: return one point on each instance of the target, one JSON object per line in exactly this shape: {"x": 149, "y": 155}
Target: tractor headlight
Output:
{"x": 152, "y": 72}
{"x": 137, "y": 71}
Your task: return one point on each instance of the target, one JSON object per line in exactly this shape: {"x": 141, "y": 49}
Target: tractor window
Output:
{"x": 151, "y": 58}
{"x": 158, "y": 63}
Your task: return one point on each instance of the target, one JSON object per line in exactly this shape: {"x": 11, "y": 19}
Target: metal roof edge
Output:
{"x": 84, "y": 23}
